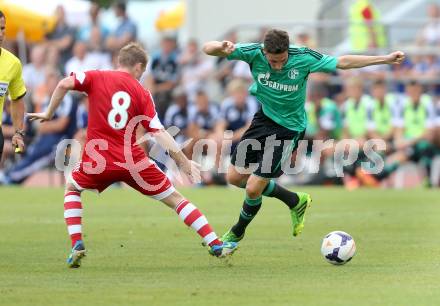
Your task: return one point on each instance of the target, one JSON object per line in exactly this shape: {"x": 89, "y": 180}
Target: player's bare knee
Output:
{"x": 232, "y": 178}
{"x": 173, "y": 200}
{"x": 236, "y": 179}
{"x": 253, "y": 190}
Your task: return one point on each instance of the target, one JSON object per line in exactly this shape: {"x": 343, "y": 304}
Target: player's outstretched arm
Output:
{"x": 219, "y": 48}
{"x": 191, "y": 168}
{"x": 61, "y": 90}
{"x": 359, "y": 61}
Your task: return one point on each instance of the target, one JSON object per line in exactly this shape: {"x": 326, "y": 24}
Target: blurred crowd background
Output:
{"x": 203, "y": 97}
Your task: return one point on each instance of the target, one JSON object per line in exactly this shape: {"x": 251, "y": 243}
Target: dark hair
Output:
{"x": 413, "y": 82}
{"x": 320, "y": 89}
{"x": 379, "y": 82}
{"x": 276, "y": 41}
{"x": 121, "y": 5}
{"x": 201, "y": 92}
{"x": 2, "y": 15}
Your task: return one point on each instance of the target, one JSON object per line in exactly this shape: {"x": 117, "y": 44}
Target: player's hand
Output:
{"x": 395, "y": 58}
{"x": 18, "y": 143}
{"x": 192, "y": 170}
{"x": 42, "y": 117}
{"x": 228, "y": 47}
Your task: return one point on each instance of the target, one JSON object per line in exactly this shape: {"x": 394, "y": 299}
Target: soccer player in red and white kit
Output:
{"x": 116, "y": 102}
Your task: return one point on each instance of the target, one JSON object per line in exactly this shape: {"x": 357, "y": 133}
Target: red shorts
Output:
{"x": 150, "y": 181}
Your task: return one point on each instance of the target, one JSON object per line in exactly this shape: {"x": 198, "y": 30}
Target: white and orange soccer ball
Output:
{"x": 338, "y": 247}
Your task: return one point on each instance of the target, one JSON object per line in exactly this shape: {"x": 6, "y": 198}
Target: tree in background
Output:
{"x": 104, "y": 3}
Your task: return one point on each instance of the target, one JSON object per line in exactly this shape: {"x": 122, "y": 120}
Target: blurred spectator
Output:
{"x": 62, "y": 37}
{"x": 78, "y": 63}
{"x": 430, "y": 34}
{"x": 436, "y": 135}
{"x": 53, "y": 59}
{"x": 41, "y": 152}
{"x": 125, "y": 32}
{"x": 236, "y": 112}
{"x": 437, "y": 127}
{"x": 324, "y": 118}
{"x": 82, "y": 117}
{"x": 202, "y": 118}
{"x": 303, "y": 38}
{"x": 435, "y": 176}
{"x": 85, "y": 32}
{"x": 417, "y": 118}
{"x": 224, "y": 67}
{"x": 415, "y": 131}
{"x": 385, "y": 112}
{"x": 196, "y": 69}
{"x": 400, "y": 74}
{"x": 355, "y": 110}
{"x": 177, "y": 114}
{"x": 365, "y": 32}
{"x": 261, "y": 33}
{"x": 242, "y": 71}
{"x": 96, "y": 52}
{"x": 163, "y": 74}
{"x": 40, "y": 93}
{"x": 83, "y": 61}
{"x": 33, "y": 72}
{"x": 425, "y": 67}
{"x": 95, "y": 42}
{"x": 324, "y": 122}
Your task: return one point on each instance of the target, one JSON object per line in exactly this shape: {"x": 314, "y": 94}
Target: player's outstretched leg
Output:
{"x": 73, "y": 215}
{"x": 247, "y": 214}
{"x": 251, "y": 205}
{"x": 193, "y": 218}
{"x": 296, "y": 201}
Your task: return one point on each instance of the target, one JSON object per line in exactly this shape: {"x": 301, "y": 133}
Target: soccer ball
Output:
{"x": 338, "y": 247}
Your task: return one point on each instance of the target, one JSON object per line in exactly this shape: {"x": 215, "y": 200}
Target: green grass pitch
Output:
{"x": 140, "y": 253}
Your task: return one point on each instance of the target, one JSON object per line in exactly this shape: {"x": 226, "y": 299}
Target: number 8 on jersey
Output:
{"x": 119, "y": 109}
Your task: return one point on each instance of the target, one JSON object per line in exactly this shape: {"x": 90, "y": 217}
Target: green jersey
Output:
{"x": 357, "y": 116}
{"x": 384, "y": 115}
{"x": 418, "y": 117}
{"x": 282, "y": 93}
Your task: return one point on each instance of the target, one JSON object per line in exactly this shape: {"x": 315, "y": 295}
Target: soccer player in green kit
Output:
{"x": 280, "y": 73}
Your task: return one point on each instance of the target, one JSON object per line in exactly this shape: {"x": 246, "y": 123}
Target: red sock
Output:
{"x": 73, "y": 214}
{"x": 196, "y": 220}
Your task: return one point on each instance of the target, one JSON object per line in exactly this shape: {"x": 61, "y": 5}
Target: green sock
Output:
{"x": 274, "y": 190}
{"x": 248, "y": 212}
